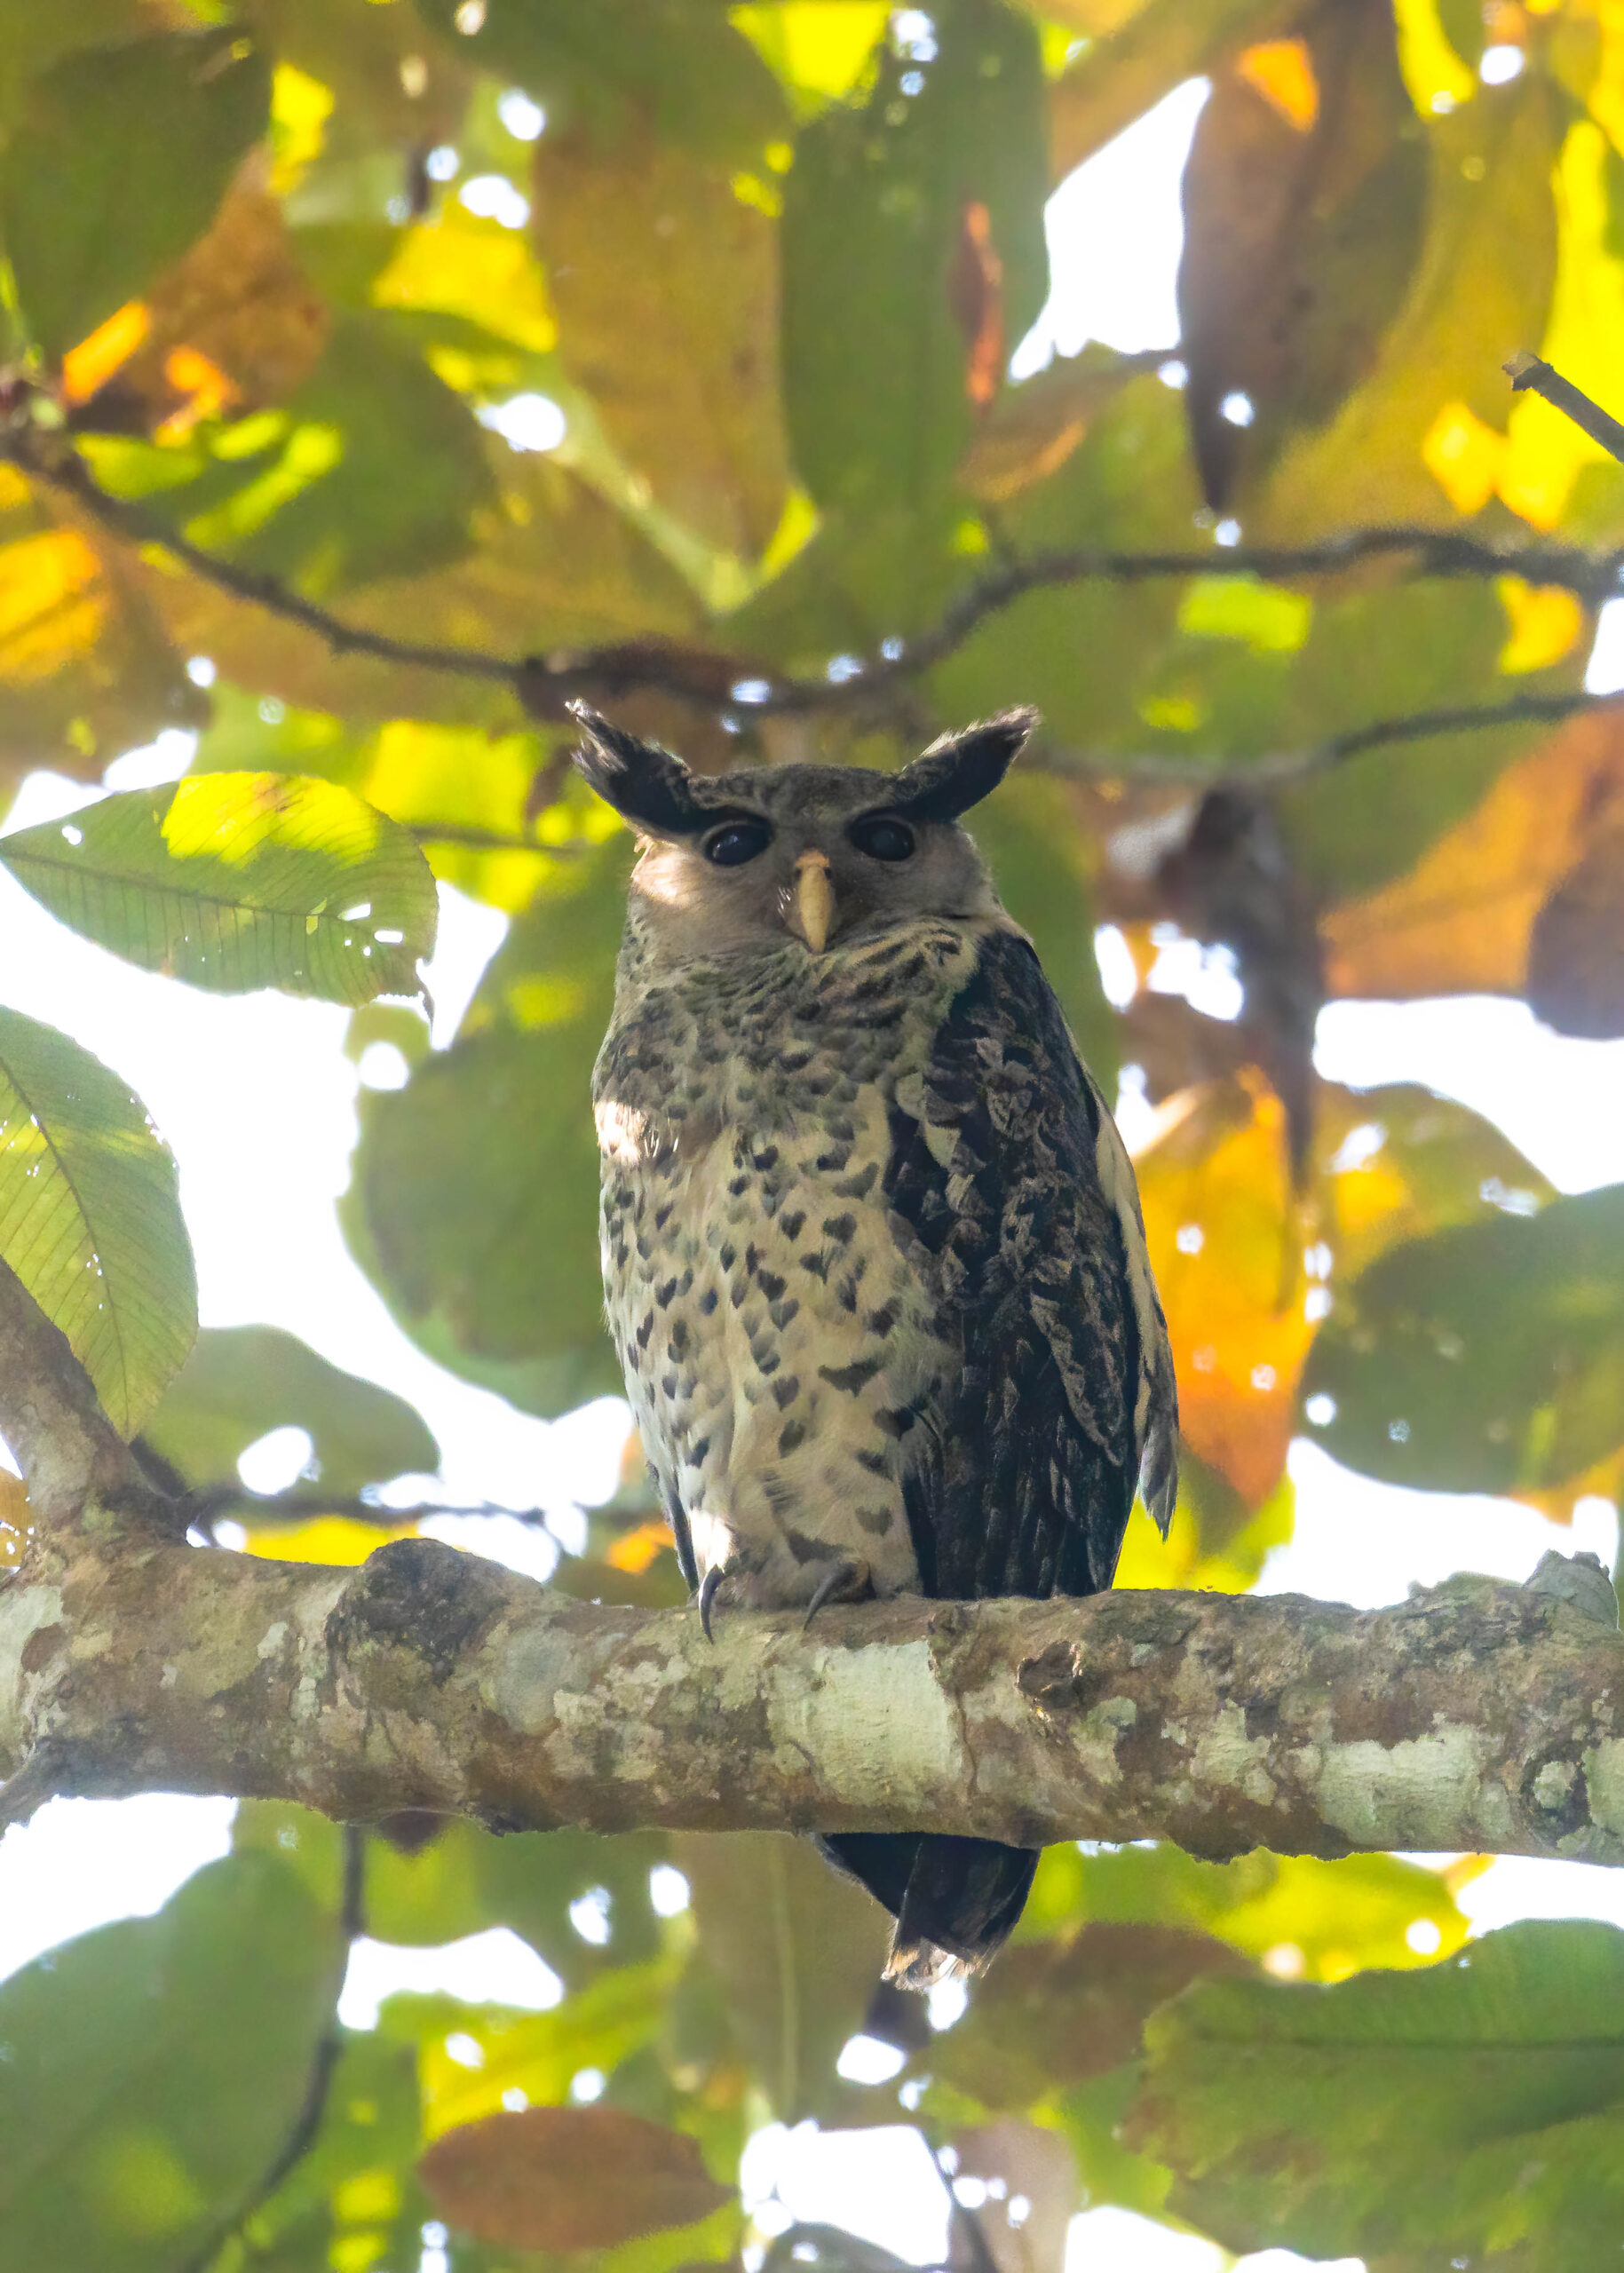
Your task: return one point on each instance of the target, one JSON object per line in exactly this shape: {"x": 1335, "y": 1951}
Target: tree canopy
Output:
{"x": 378, "y": 376}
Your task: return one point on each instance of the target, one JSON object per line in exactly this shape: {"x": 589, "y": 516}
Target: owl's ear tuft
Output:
{"x": 960, "y": 769}
{"x": 646, "y": 785}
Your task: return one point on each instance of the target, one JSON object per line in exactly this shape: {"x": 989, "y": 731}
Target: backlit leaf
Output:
{"x": 135, "y": 2127}
{"x": 1489, "y": 1357}
{"x": 1473, "y": 2109}
{"x": 567, "y": 2178}
{"x": 914, "y": 224}
{"x": 116, "y": 164}
{"x": 1303, "y": 207}
{"x": 237, "y": 881}
{"x": 796, "y": 1952}
{"x": 90, "y": 1218}
{"x": 241, "y": 1382}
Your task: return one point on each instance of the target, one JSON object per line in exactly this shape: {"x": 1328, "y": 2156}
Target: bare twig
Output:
{"x": 206, "y": 1507}
{"x": 1528, "y": 373}
{"x": 732, "y": 685}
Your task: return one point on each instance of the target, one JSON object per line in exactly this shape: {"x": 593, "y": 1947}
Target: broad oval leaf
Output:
{"x": 116, "y": 165}
{"x": 242, "y": 1381}
{"x": 237, "y": 881}
{"x": 567, "y": 2178}
{"x": 1489, "y": 1358}
{"x": 1447, "y": 2116}
{"x": 90, "y": 1216}
{"x": 152, "y": 2069}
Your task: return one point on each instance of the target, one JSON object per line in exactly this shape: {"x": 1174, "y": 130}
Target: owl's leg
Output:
{"x": 848, "y": 1580}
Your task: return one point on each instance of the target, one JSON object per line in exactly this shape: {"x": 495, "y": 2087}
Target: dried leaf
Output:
{"x": 1576, "y": 950}
{"x": 567, "y": 2178}
{"x": 1303, "y": 206}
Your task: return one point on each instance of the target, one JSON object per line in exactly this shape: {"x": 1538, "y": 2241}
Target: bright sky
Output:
{"x": 256, "y": 1098}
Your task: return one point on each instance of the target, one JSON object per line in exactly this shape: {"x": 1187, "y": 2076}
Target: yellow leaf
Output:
{"x": 300, "y": 109}
{"x": 52, "y": 604}
{"x": 339, "y": 1540}
{"x": 89, "y": 365}
{"x": 459, "y": 265}
{"x": 1430, "y": 67}
{"x": 635, "y": 1550}
{"x": 818, "y": 48}
{"x": 1465, "y": 456}
{"x": 1282, "y": 71}
{"x": 1546, "y": 624}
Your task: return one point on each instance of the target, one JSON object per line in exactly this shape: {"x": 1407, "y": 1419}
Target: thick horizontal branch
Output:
{"x": 729, "y": 685}
{"x": 1476, "y": 1715}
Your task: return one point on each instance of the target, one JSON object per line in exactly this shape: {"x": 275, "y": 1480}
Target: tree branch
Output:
{"x": 1476, "y": 1715}
{"x": 68, "y": 1451}
{"x": 1528, "y": 372}
{"x": 712, "y": 682}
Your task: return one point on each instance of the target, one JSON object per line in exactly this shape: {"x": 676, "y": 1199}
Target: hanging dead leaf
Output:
{"x": 1303, "y": 212}
{"x": 1462, "y": 921}
{"x": 567, "y": 2178}
{"x": 1576, "y": 950}
{"x": 1139, "y": 54}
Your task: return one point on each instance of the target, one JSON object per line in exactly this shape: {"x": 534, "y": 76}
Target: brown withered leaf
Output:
{"x": 1462, "y": 921}
{"x": 1484, "y": 273}
{"x": 1576, "y": 951}
{"x": 1054, "y": 2014}
{"x": 236, "y": 325}
{"x": 567, "y": 2178}
{"x": 1303, "y": 211}
{"x": 665, "y": 284}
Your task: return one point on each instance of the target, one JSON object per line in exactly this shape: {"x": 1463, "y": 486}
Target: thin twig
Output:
{"x": 306, "y": 2124}
{"x": 1529, "y": 374}
{"x": 206, "y": 1507}
{"x": 713, "y": 683}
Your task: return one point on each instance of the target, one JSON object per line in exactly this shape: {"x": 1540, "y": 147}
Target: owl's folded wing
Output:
{"x": 1012, "y": 1185}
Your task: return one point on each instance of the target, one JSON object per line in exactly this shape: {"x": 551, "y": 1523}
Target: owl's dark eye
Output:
{"x": 730, "y": 847}
{"x": 882, "y": 838}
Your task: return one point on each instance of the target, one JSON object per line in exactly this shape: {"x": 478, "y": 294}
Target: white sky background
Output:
{"x": 256, "y": 1098}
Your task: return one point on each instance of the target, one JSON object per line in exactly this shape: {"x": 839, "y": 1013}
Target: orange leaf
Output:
{"x": 1282, "y": 71}
{"x": 92, "y": 362}
{"x": 635, "y": 1550}
{"x": 567, "y": 2178}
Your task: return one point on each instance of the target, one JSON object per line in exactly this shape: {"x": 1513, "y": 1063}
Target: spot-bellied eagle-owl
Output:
{"x": 873, "y": 1252}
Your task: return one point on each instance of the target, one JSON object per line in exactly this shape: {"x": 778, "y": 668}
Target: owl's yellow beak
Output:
{"x": 813, "y": 905}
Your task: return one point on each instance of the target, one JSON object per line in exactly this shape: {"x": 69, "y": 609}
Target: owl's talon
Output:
{"x": 709, "y": 1584}
{"x": 850, "y": 1572}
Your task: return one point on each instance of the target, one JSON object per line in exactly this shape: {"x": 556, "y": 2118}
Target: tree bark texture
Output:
{"x": 1476, "y": 1715}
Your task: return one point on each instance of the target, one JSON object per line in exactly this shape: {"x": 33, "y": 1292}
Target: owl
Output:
{"x": 874, "y": 1261}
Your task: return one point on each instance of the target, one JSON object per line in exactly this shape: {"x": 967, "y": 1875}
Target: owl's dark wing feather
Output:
{"x": 1012, "y": 1178}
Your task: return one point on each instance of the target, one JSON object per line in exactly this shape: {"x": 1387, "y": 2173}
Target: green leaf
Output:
{"x": 1489, "y": 1358}
{"x": 115, "y": 167}
{"x": 621, "y": 67}
{"x": 1470, "y": 2112}
{"x": 242, "y": 1381}
{"x": 90, "y": 1216}
{"x": 492, "y": 1267}
{"x": 152, "y": 2069}
{"x": 913, "y": 260}
{"x": 795, "y": 1949}
{"x": 238, "y": 880}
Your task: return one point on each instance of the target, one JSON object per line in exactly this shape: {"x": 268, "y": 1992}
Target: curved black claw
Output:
{"x": 848, "y": 1573}
{"x": 709, "y": 1584}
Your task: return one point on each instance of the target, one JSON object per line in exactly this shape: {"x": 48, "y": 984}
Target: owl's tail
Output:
{"x": 955, "y": 1901}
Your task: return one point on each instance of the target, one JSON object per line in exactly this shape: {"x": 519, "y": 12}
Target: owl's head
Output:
{"x": 819, "y": 853}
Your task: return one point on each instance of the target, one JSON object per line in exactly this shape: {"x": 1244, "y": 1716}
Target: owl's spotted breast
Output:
{"x": 778, "y": 1337}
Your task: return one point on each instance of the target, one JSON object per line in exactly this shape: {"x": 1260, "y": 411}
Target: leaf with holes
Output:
{"x": 237, "y": 881}
{"x": 241, "y": 1382}
{"x": 90, "y": 1216}
{"x": 567, "y": 2178}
